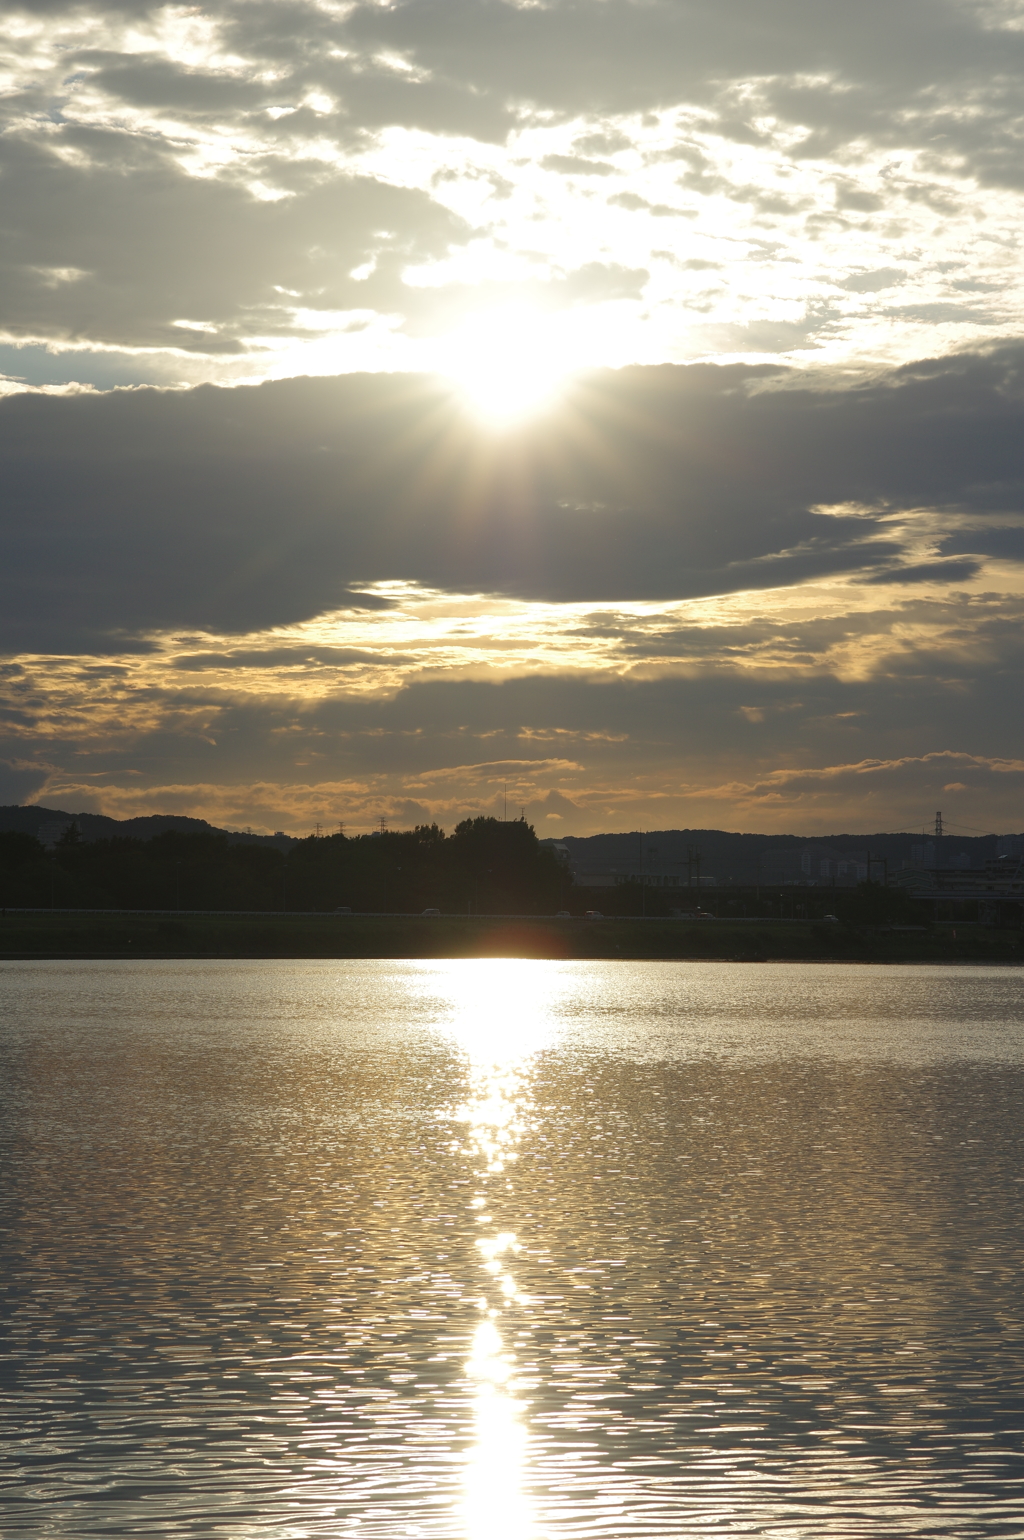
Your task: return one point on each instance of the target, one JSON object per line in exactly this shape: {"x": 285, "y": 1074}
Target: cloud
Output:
{"x": 257, "y": 190}
{"x": 20, "y": 783}
{"x": 577, "y": 165}
{"x": 235, "y": 510}
{"x": 914, "y": 59}
{"x": 164, "y": 259}
{"x": 1003, "y": 541}
{"x": 277, "y": 658}
{"x": 885, "y": 782}
{"x": 828, "y": 750}
{"x": 927, "y": 572}
{"x": 871, "y": 283}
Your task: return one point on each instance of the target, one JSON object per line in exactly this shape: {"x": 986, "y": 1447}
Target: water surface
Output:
{"x": 498, "y": 1250}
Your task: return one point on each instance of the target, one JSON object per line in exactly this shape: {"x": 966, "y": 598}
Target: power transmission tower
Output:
{"x": 383, "y": 824}
{"x": 938, "y": 826}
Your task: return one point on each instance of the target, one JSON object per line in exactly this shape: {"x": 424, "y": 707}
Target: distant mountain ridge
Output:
{"x": 40, "y": 822}
{"x": 665, "y": 856}
{"x": 666, "y": 853}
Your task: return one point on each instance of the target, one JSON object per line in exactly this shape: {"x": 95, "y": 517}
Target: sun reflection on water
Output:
{"x": 503, "y": 1014}
{"x": 503, "y": 1010}
{"x": 496, "y": 1502}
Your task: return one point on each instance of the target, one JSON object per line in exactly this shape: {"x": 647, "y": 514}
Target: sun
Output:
{"x": 505, "y": 390}
{"x": 506, "y": 364}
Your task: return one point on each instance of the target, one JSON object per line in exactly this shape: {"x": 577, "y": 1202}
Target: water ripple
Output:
{"x": 511, "y": 1250}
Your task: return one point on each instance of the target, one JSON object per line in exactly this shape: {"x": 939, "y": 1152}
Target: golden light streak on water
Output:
{"x": 497, "y": 1504}
{"x": 502, "y": 1016}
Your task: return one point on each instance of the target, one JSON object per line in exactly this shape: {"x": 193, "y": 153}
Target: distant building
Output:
{"x": 812, "y": 866}
{"x": 931, "y": 856}
{"x": 995, "y": 895}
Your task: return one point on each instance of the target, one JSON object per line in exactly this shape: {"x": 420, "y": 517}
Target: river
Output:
{"x": 511, "y": 1250}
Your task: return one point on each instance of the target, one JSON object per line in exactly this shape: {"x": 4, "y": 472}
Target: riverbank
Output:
{"x": 154, "y": 935}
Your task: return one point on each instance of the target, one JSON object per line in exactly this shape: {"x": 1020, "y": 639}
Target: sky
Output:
{"x": 609, "y": 409}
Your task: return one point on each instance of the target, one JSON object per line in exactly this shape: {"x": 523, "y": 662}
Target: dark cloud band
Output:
{"x": 238, "y": 509}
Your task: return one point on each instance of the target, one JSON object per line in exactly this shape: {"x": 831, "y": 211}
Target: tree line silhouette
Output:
{"x": 487, "y": 866}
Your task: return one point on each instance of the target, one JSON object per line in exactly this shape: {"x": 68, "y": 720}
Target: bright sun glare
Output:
{"x": 507, "y": 364}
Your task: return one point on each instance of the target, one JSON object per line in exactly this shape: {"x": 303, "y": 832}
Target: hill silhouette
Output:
{"x": 37, "y": 821}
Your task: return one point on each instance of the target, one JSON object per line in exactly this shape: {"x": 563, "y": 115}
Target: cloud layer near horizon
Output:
{"x": 718, "y": 596}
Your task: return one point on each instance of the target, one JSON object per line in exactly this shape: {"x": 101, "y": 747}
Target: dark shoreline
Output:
{"x": 83, "y": 936}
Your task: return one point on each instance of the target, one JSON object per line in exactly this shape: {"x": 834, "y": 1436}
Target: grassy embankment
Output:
{"x": 211, "y": 935}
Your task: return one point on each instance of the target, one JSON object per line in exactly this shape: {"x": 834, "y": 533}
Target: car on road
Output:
{"x": 435, "y": 912}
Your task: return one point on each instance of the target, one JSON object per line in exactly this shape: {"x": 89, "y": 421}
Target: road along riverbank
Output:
{"x": 125, "y": 934}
